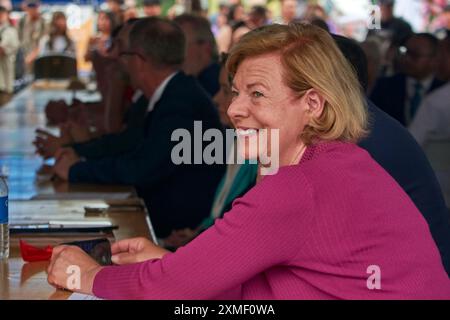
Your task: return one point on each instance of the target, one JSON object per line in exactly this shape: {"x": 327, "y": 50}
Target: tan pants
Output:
{"x": 5, "y": 97}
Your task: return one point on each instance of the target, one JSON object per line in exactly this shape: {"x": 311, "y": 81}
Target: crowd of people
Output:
{"x": 354, "y": 188}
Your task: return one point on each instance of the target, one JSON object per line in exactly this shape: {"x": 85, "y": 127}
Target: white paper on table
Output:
{"x": 81, "y": 296}
{"x": 84, "y": 196}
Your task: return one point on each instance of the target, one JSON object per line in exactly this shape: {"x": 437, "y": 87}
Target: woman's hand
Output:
{"x": 135, "y": 250}
{"x": 71, "y": 268}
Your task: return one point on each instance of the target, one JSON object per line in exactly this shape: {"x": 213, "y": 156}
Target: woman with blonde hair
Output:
{"x": 330, "y": 224}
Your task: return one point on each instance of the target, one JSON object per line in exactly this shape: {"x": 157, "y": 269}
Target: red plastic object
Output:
{"x": 30, "y": 253}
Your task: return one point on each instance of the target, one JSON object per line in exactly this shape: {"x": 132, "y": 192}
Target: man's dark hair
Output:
{"x": 355, "y": 56}
{"x": 132, "y": 20}
{"x": 3, "y": 9}
{"x": 320, "y": 23}
{"x": 149, "y": 3}
{"x": 260, "y": 11}
{"x": 389, "y": 3}
{"x": 160, "y": 40}
{"x": 432, "y": 40}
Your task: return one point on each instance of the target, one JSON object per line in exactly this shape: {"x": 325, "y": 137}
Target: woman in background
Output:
{"x": 102, "y": 41}
{"x": 58, "y": 40}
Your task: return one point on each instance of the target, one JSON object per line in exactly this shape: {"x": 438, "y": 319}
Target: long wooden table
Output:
{"x": 28, "y": 280}
{"x": 32, "y": 199}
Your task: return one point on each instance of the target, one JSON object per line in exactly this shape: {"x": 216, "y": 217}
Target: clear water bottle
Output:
{"x": 4, "y": 228}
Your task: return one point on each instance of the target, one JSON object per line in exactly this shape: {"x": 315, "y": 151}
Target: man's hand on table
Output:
{"x": 63, "y": 258}
{"x": 47, "y": 144}
{"x": 65, "y": 158}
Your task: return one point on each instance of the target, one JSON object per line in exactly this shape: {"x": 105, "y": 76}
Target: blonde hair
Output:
{"x": 311, "y": 60}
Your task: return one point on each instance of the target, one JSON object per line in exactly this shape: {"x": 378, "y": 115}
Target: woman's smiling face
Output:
{"x": 262, "y": 100}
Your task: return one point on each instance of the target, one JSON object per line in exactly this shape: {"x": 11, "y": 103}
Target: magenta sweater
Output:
{"x": 309, "y": 232}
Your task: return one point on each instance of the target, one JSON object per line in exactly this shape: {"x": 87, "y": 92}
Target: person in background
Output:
{"x": 440, "y": 25}
{"x": 130, "y": 13}
{"x": 446, "y": 18}
{"x": 393, "y": 34}
{"x": 433, "y": 118}
{"x": 114, "y": 143}
{"x": 316, "y": 14}
{"x": 236, "y": 14}
{"x": 217, "y": 19}
{"x": 314, "y": 229}
{"x": 31, "y": 29}
{"x": 238, "y": 178}
{"x": 392, "y": 146}
{"x": 372, "y": 49}
{"x": 431, "y": 126}
{"x": 58, "y": 40}
{"x": 221, "y": 29}
{"x": 400, "y": 96}
{"x": 6, "y": 4}
{"x": 288, "y": 11}
{"x": 9, "y": 43}
{"x": 152, "y": 8}
{"x": 116, "y": 7}
{"x": 256, "y": 18}
{"x": 100, "y": 43}
{"x": 235, "y": 20}
{"x": 395, "y": 29}
{"x": 120, "y": 114}
{"x": 178, "y": 195}
{"x": 201, "y": 51}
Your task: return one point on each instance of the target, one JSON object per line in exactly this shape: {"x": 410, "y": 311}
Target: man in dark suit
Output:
{"x": 201, "y": 62}
{"x": 393, "y": 147}
{"x": 401, "y": 95}
{"x": 177, "y": 196}
{"x": 114, "y": 144}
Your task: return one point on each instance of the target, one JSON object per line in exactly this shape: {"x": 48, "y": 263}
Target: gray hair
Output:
{"x": 161, "y": 40}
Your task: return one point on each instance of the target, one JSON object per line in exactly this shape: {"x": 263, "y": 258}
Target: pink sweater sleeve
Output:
{"x": 265, "y": 228}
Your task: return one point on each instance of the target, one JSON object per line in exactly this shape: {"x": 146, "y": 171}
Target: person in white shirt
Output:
{"x": 433, "y": 117}
{"x": 9, "y": 43}
{"x": 57, "y": 41}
